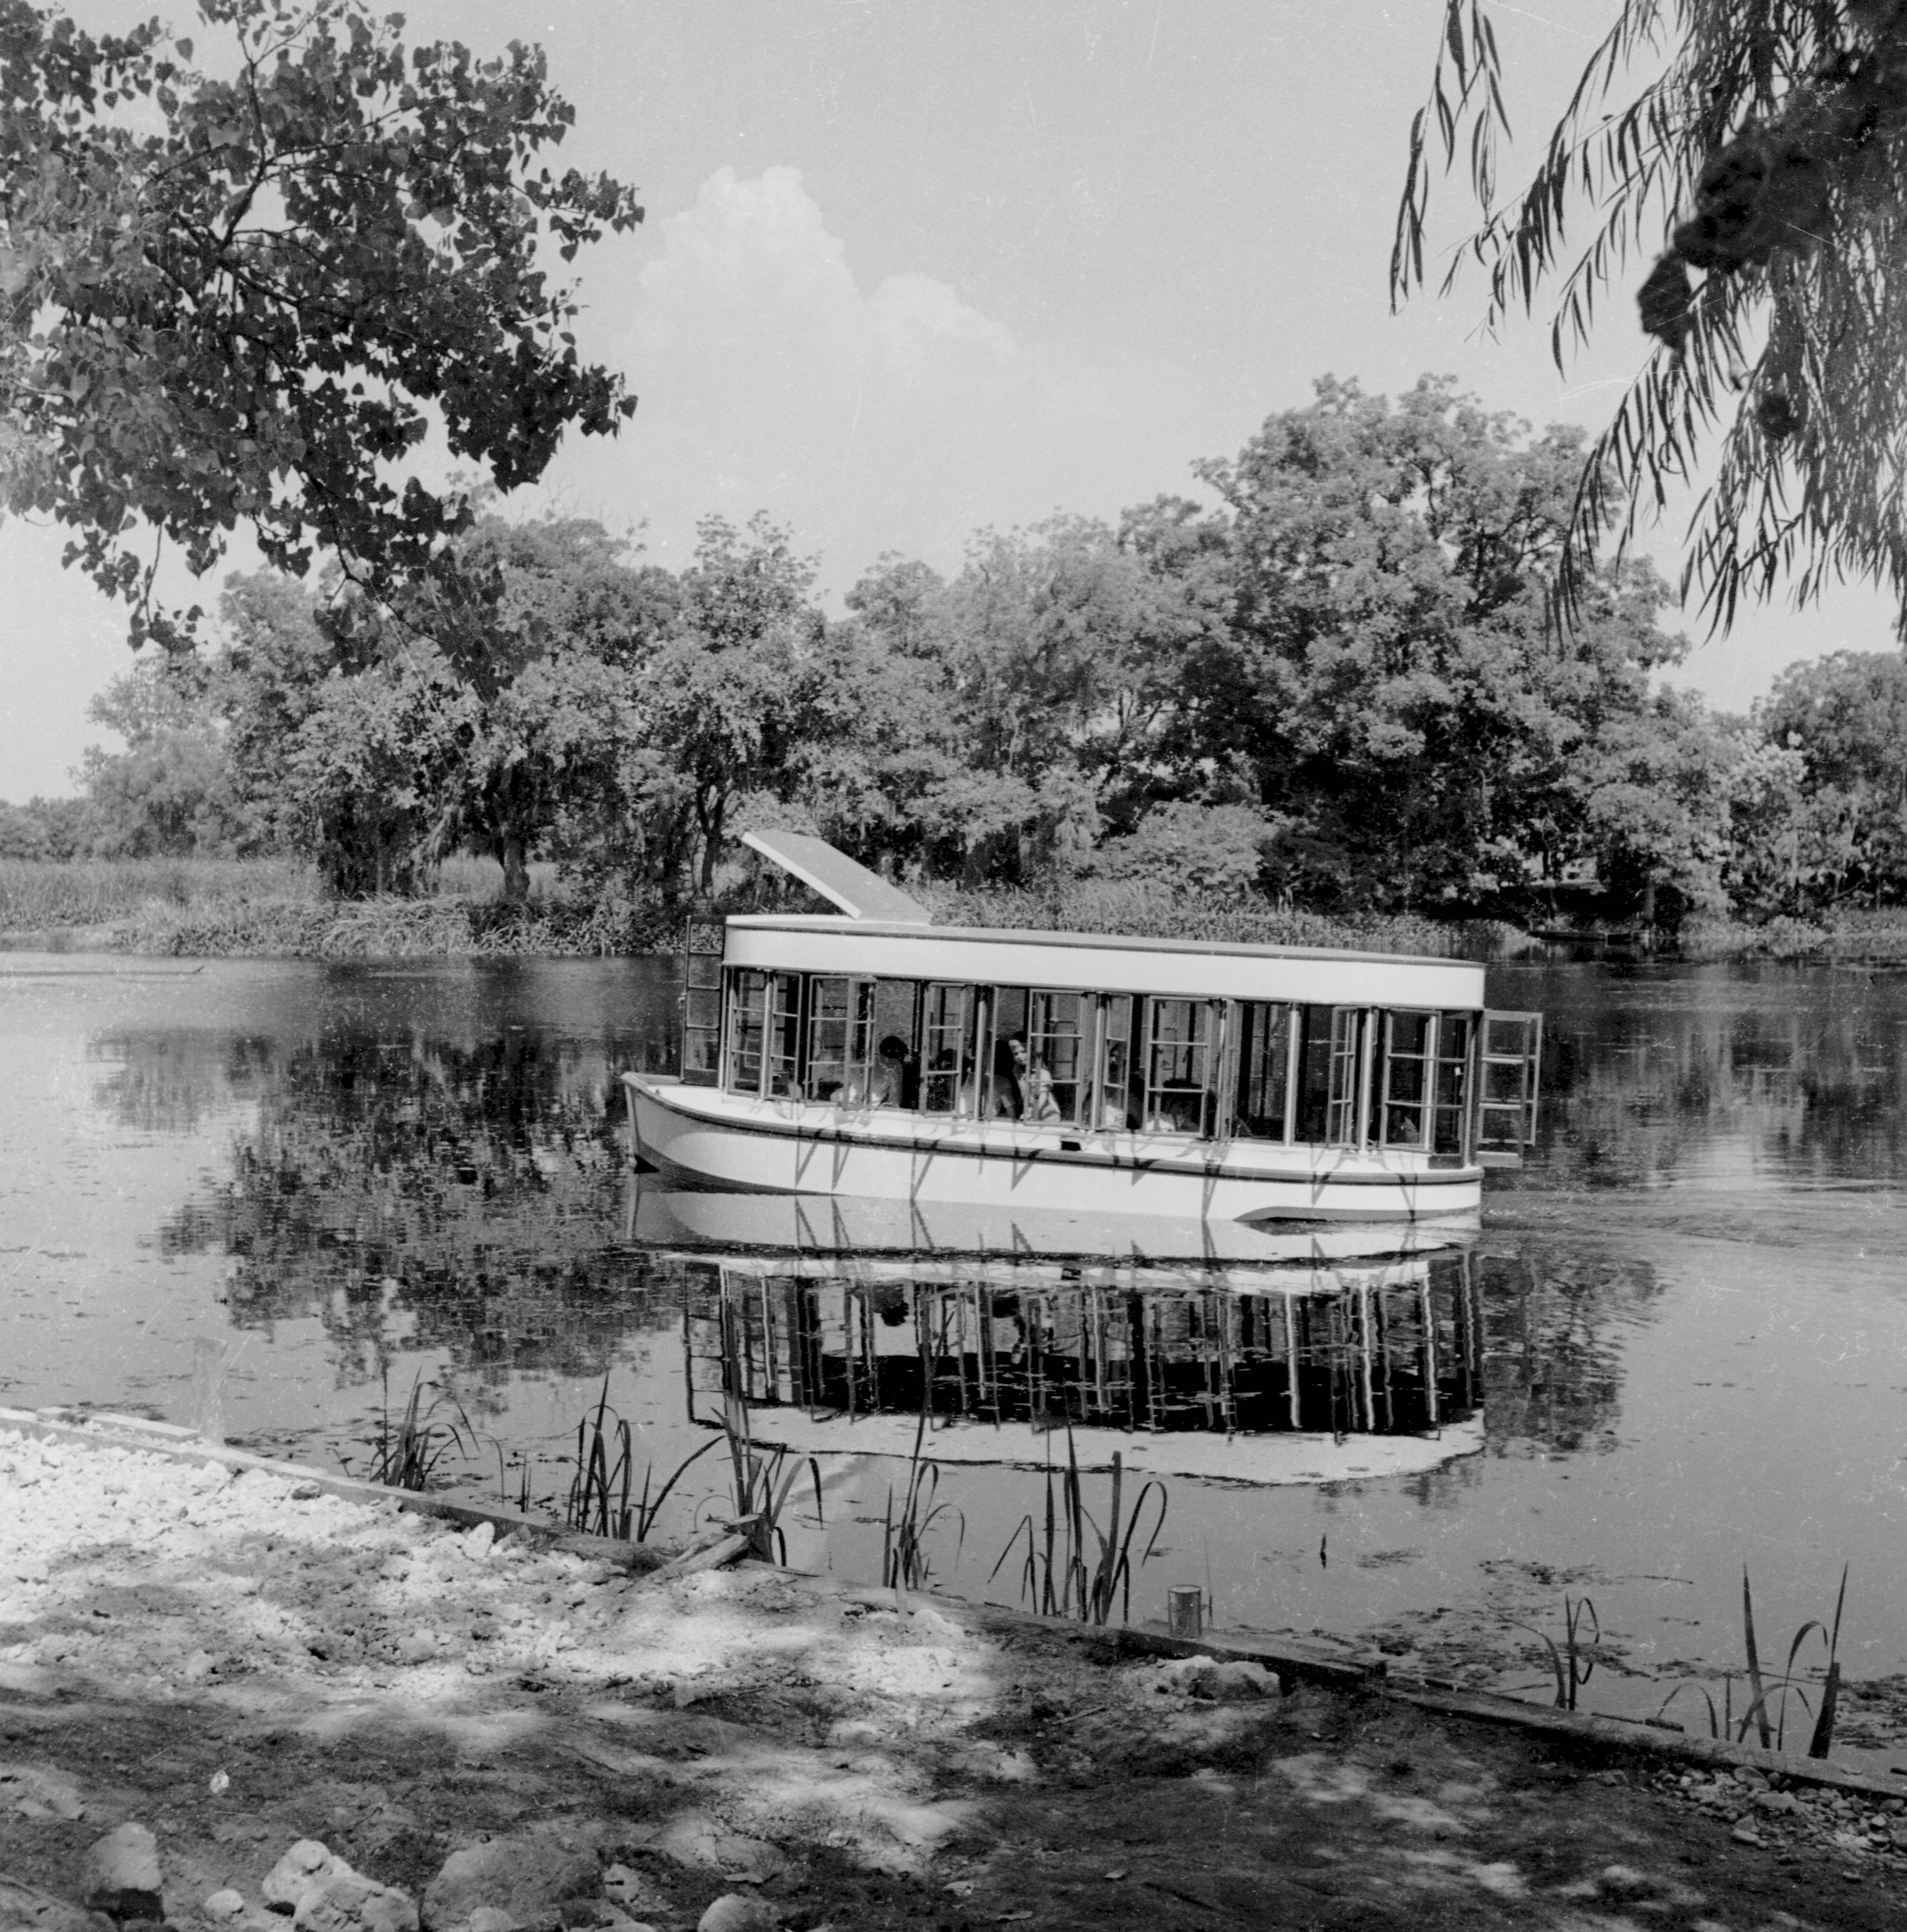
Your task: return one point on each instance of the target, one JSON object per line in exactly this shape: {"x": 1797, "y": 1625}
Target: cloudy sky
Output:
{"x": 915, "y": 267}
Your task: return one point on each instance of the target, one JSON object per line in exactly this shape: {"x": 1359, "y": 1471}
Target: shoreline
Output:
{"x": 241, "y": 1664}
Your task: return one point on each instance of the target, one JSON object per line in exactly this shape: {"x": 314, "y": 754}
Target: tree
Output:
{"x": 1388, "y": 677}
{"x": 482, "y": 707}
{"x": 245, "y": 297}
{"x": 1845, "y": 717}
{"x": 1766, "y": 145}
{"x": 724, "y": 699}
{"x": 168, "y": 793}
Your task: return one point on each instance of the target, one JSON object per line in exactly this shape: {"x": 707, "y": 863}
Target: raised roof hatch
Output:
{"x": 859, "y": 893}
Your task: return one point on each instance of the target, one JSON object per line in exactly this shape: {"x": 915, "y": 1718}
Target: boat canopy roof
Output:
{"x": 1098, "y": 962}
{"x": 861, "y": 894}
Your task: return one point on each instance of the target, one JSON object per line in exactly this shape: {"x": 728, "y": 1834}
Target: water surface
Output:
{"x": 1677, "y": 1349}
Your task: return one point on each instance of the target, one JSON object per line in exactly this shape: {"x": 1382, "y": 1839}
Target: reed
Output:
{"x": 764, "y": 1482}
{"x": 406, "y": 1455}
{"x": 1575, "y": 1664}
{"x": 1767, "y": 1709}
{"x": 602, "y": 1501}
{"x": 903, "y": 1558}
{"x": 1063, "y": 1572}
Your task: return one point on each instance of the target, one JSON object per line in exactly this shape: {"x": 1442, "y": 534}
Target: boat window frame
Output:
{"x": 963, "y": 1037}
{"x": 857, "y": 1023}
{"x": 1426, "y": 1061}
{"x": 733, "y": 1005}
{"x": 1082, "y": 1082}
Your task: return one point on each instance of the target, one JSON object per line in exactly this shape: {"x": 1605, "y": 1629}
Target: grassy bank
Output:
{"x": 263, "y": 908}
{"x": 275, "y": 908}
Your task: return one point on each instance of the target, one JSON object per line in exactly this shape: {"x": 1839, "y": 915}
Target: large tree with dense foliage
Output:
{"x": 1844, "y": 717}
{"x": 169, "y": 793}
{"x": 1758, "y": 153}
{"x": 242, "y": 292}
{"x": 1388, "y": 672}
{"x": 477, "y": 709}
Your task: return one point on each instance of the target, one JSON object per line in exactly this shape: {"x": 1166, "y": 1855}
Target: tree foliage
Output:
{"x": 1758, "y": 153}
{"x": 242, "y": 293}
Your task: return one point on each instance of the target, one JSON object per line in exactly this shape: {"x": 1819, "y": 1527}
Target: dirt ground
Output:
{"x": 239, "y": 1664}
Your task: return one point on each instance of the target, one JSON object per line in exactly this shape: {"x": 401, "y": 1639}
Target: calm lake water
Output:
{"x": 1680, "y": 1345}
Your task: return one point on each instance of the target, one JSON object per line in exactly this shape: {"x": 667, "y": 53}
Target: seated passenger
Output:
{"x": 1035, "y": 1084}
{"x": 895, "y": 1079}
{"x": 1002, "y": 1095}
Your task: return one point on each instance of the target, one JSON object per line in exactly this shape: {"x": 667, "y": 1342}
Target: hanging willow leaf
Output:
{"x": 1765, "y": 150}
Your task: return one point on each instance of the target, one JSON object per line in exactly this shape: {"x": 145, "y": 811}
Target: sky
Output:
{"x": 912, "y": 268}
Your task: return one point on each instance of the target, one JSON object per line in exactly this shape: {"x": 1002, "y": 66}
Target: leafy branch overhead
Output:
{"x": 242, "y": 293}
{"x": 1759, "y": 163}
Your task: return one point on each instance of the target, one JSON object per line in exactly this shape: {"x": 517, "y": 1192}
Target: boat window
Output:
{"x": 1178, "y": 1067}
{"x": 784, "y": 1031}
{"x": 1263, "y": 1064}
{"x": 890, "y": 1077}
{"x": 1344, "y": 1111}
{"x": 747, "y": 999}
{"x": 840, "y": 1038}
{"x": 1450, "y": 1133}
{"x": 1314, "y": 1074}
{"x": 1113, "y": 1109}
{"x": 1410, "y": 1050}
{"x": 1003, "y": 1091}
{"x": 946, "y": 1048}
{"x": 1057, "y": 1036}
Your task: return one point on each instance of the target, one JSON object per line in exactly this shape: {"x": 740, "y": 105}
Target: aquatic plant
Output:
{"x": 1767, "y": 1709}
{"x": 1575, "y": 1664}
{"x": 1063, "y": 1573}
{"x": 405, "y": 1456}
{"x": 762, "y": 1482}
{"x": 600, "y": 1502}
{"x": 904, "y": 1559}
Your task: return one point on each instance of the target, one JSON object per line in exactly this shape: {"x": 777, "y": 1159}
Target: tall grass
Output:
{"x": 763, "y": 1483}
{"x": 1767, "y": 1709}
{"x": 903, "y": 1533}
{"x": 602, "y": 1499}
{"x": 1575, "y": 1664}
{"x": 405, "y": 1454}
{"x": 1063, "y": 1573}
{"x": 1147, "y": 911}
{"x": 44, "y": 894}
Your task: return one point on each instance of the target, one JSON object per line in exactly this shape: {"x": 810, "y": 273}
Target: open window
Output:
{"x": 1510, "y": 1050}
{"x": 701, "y": 1002}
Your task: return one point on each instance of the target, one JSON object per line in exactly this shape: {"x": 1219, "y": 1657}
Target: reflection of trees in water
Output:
{"x": 169, "y": 1082}
{"x": 1553, "y": 1326}
{"x": 1805, "y": 1070}
{"x": 432, "y": 1195}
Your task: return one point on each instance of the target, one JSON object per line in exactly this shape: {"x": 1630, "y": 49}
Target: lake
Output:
{"x": 1679, "y": 1347}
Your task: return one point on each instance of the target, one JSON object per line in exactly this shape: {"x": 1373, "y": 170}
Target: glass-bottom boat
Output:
{"x": 872, "y": 1055}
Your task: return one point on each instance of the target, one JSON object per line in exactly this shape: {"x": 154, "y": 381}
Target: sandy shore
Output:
{"x": 238, "y": 1663}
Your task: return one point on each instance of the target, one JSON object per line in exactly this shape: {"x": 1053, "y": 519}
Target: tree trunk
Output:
{"x": 516, "y": 869}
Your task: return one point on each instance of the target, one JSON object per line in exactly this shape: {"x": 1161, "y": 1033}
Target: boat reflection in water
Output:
{"x": 1357, "y": 1353}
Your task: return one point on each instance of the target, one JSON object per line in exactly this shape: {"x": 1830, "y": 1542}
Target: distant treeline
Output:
{"x": 1333, "y": 685}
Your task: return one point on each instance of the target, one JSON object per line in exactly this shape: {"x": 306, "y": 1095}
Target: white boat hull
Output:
{"x": 782, "y": 1147}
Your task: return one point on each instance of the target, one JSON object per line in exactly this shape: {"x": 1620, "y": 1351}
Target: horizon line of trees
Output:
{"x": 1335, "y": 682}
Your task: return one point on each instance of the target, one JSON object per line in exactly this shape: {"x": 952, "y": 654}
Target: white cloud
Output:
{"x": 899, "y": 418}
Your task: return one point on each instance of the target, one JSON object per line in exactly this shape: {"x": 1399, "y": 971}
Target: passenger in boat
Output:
{"x": 896, "y": 1075}
{"x": 1003, "y": 1098}
{"x": 1036, "y": 1083}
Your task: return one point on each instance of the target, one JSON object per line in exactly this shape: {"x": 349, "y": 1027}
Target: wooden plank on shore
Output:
{"x": 1628, "y": 1735}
